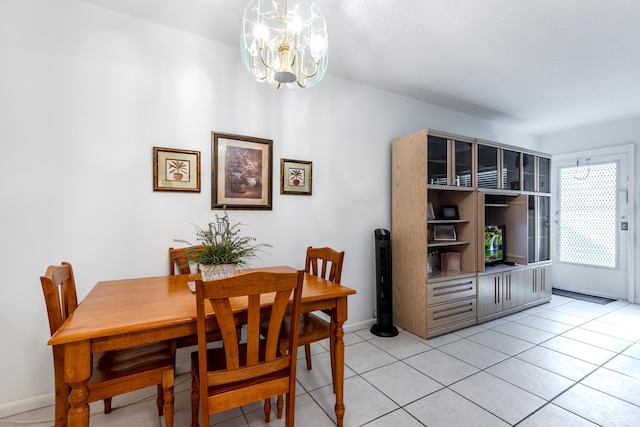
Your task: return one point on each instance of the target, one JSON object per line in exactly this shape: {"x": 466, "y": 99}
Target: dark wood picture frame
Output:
{"x": 176, "y": 170}
{"x": 296, "y": 177}
{"x": 449, "y": 212}
{"x": 241, "y": 172}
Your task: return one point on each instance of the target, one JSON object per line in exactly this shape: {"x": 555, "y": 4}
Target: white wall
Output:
{"x": 85, "y": 93}
{"x": 600, "y": 137}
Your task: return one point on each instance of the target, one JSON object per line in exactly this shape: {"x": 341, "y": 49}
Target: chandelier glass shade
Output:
{"x": 284, "y": 42}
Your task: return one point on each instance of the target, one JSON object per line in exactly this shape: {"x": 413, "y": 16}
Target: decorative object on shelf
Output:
{"x": 450, "y": 261}
{"x": 450, "y": 212}
{"x": 241, "y": 176}
{"x": 444, "y": 232}
{"x": 431, "y": 215}
{"x": 284, "y": 42}
{"x": 176, "y": 170}
{"x": 434, "y": 260}
{"x": 295, "y": 177}
{"x": 221, "y": 249}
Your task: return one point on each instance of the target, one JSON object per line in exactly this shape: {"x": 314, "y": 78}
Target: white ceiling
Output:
{"x": 538, "y": 65}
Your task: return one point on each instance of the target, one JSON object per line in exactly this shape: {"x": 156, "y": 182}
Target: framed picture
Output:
{"x": 430, "y": 212}
{"x": 176, "y": 170}
{"x": 241, "y": 176}
{"x": 450, "y": 212}
{"x": 295, "y": 177}
{"x": 444, "y": 232}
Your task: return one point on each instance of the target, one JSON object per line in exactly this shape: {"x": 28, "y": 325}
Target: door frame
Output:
{"x": 628, "y": 151}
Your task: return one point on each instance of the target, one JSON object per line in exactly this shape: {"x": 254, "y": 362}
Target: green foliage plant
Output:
{"x": 221, "y": 243}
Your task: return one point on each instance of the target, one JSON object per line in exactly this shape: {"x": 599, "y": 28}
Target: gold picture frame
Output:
{"x": 241, "y": 175}
{"x": 176, "y": 170}
{"x": 296, "y": 177}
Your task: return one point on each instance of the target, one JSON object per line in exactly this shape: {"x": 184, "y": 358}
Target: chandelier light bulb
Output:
{"x": 284, "y": 42}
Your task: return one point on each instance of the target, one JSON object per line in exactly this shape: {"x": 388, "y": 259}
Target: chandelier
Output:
{"x": 284, "y": 42}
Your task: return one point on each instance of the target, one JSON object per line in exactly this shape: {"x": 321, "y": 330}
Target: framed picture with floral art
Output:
{"x": 176, "y": 170}
{"x": 295, "y": 177}
{"x": 241, "y": 176}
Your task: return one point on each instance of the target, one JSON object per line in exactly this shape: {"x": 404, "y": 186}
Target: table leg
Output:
{"x": 338, "y": 347}
{"x": 77, "y": 371}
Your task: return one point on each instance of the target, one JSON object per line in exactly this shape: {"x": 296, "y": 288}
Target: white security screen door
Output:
{"x": 591, "y": 226}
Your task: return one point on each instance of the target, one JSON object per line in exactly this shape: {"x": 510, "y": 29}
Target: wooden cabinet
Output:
{"x": 537, "y": 284}
{"x": 414, "y": 306}
{"x": 500, "y": 292}
{"x": 485, "y": 184}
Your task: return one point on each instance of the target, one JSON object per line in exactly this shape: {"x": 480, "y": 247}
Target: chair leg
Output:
{"x": 332, "y": 336}
{"x": 195, "y": 400}
{"x": 267, "y": 410}
{"x": 279, "y": 406}
{"x": 167, "y": 386}
{"x": 62, "y": 400}
{"x": 291, "y": 408}
{"x": 307, "y": 355}
{"x": 160, "y": 401}
{"x": 107, "y": 405}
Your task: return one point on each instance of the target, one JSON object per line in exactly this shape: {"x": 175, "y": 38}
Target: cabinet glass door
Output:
{"x": 487, "y": 166}
{"x": 437, "y": 160}
{"x": 462, "y": 164}
{"x": 543, "y": 228}
{"x": 528, "y": 172}
{"x": 544, "y": 166}
{"x": 510, "y": 170}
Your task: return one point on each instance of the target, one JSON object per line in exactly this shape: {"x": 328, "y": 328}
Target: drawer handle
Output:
{"x": 453, "y": 291}
{"x": 453, "y": 313}
{"x": 435, "y": 288}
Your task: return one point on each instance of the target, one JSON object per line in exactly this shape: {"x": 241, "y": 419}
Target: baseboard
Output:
{"x": 32, "y": 403}
{"x": 352, "y": 327}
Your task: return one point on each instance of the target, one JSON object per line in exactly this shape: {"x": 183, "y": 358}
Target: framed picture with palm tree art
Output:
{"x": 295, "y": 177}
{"x": 176, "y": 170}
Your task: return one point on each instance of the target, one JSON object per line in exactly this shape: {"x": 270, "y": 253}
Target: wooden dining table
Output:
{"x": 124, "y": 313}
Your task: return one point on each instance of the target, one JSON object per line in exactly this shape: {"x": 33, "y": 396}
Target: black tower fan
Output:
{"x": 384, "y": 327}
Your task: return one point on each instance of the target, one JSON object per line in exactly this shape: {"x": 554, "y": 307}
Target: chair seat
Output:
{"x": 146, "y": 363}
{"x": 238, "y": 392}
{"x": 129, "y": 361}
{"x": 312, "y": 328}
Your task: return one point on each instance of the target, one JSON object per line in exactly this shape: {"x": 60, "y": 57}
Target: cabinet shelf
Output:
{"x": 496, "y": 205}
{"x": 440, "y": 244}
{"x": 447, "y": 221}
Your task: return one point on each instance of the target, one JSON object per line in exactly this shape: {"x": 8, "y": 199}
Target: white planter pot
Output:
{"x": 217, "y": 271}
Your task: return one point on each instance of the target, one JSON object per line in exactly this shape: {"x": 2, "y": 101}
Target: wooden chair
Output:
{"x": 325, "y": 263}
{"x": 179, "y": 264}
{"x": 241, "y": 373}
{"x": 179, "y": 259}
{"x": 114, "y": 372}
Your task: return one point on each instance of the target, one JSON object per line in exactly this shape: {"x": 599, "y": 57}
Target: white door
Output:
{"x": 592, "y": 223}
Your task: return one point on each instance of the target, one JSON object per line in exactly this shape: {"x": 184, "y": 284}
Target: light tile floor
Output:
{"x": 565, "y": 363}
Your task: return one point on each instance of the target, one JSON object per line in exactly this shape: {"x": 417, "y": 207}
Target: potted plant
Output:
{"x": 221, "y": 249}
{"x": 178, "y": 169}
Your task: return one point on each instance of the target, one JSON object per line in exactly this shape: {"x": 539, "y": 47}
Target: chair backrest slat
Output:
{"x": 325, "y": 263}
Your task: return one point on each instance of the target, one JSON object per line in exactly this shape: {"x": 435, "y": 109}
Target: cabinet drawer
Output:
{"x": 451, "y": 290}
{"x": 451, "y": 312}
